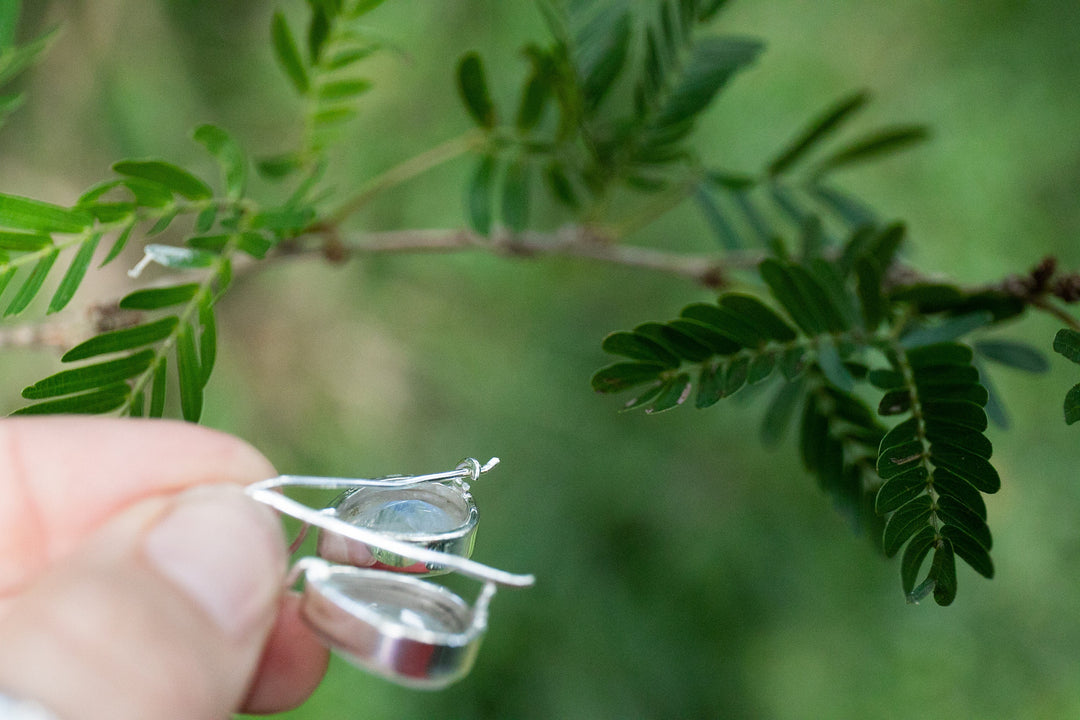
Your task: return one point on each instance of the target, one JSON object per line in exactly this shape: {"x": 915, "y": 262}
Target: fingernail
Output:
{"x": 224, "y": 552}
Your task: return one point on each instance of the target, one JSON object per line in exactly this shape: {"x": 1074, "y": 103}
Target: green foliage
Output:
{"x": 835, "y": 338}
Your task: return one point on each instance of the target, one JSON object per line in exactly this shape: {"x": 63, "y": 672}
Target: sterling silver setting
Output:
{"x": 364, "y": 593}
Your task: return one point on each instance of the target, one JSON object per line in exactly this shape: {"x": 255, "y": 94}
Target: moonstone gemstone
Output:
{"x": 408, "y": 516}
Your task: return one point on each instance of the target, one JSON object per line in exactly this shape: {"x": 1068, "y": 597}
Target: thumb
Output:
{"x": 162, "y": 613}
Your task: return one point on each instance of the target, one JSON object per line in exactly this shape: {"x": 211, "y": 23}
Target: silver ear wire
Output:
{"x": 381, "y": 617}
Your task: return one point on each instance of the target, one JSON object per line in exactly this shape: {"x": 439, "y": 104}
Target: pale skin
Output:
{"x": 137, "y": 580}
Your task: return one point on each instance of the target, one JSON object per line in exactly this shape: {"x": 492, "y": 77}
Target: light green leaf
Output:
{"x": 32, "y": 285}
{"x": 287, "y": 53}
{"x": 167, "y": 175}
{"x": 229, "y": 155}
{"x": 24, "y": 242}
{"x": 19, "y": 213}
{"x": 157, "y": 298}
{"x": 120, "y": 340}
{"x": 75, "y": 274}
{"x": 118, "y": 246}
{"x": 89, "y": 377}
{"x": 190, "y": 374}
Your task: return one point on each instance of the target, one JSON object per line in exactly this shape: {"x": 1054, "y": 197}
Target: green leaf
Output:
{"x": 914, "y": 554}
{"x": 724, "y": 230}
{"x": 207, "y": 341}
{"x": 95, "y": 402}
{"x": 1013, "y": 354}
{"x": 900, "y": 459}
{"x": 560, "y": 186}
{"x": 900, "y": 490}
{"x": 976, "y": 470}
{"x": 120, "y": 340}
{"x": 761, "y": 367}
{"x": 1067, "y": 344}
{"x": 157, "y": 393}
{"x": 74, "y": 275}
{"x": 1072, "y": 405}
{"x": 229, "y": 155}
{"x": 713, "y": 61}
{"x": 118, "y": 246}
{"x": 945, "y": 353}
{"x": 254, "y": 244}
{"x": 190, "y": 374}
{"x": 602, "y": 47}
{"x": 515, "y": 196}
{"x": 817, "y": 131}
{"x": 905, "y": 522}
{"x": 19, "y": 213}
{"x": 9, "y": 20}
{"x": 89, "y": 377}
{"x": 952, "y": 437}
{"x": 472, "y": 84}
{"x": 343, "y": 89}
{"x": 780, "y": 411}
{"x": 621, "y": 376}
{"x": 710, "y": 385}
{"x": 784, "y": 288}
{"x": 481, "y": 191}
{"x": 738, "y": 370}
{"x": 833, "y": 367}
{"x": 157, "y": 298}
{"x": 674, "y": 393}
{"x": 969, "y": 550}
{"x": 534, "y": 97}
{"x": 639, "y": 347}
{"x": 946, "y": 483}
{"x": 167, "y": 175}
{"x": 24, "y": 242}
{"x": 956, "y": 412}
{"x": 287, "y": 53}
{"x": 943, "y": 571}
{"x": 32, "y": 285}
{"x": 753, "y": 311}
{"x": 953, "y": 512}
{"x": 873, "y": 146}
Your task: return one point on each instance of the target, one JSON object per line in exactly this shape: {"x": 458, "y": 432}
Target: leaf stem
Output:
{"x": 414, "y": 166}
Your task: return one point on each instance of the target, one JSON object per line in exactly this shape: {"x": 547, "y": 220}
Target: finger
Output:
{"x": 62, "y": 477}
{"x": 293, "y": 663}
{"x": 162, "y": 613}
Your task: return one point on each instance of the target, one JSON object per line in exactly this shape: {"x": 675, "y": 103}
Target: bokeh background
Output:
{"x": 685, "y": 571}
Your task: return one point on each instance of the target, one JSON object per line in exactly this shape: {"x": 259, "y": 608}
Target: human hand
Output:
{"x": 137, "y": 580}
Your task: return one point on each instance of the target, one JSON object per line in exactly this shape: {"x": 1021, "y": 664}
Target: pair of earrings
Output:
{"x": 364, "y": 593}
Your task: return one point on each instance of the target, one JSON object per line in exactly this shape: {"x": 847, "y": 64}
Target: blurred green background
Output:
{"x": 684, "y": 570}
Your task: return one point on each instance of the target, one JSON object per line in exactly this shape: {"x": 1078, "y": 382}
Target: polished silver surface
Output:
{"x": 409, "y": 631}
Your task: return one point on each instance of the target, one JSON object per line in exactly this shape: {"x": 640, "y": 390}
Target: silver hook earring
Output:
{"x": 364, "y": 596}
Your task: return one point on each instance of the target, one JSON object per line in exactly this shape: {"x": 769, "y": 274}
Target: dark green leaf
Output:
{"x": 905, "y": 522}
{"x": 190, "y": 374}
{"x": 817, "y": 131}
{"x": 167, "y": 175}
{"x": 75, "y": 274}
{"x": 780, "y": 411}
{"x": 900, "y": 459}
{"x": 288, "y": 54}
{"x": 205, "y": 219}
{"x": 931, "y": 377}
{"x": 89, "y": 377}
{"x": 534, "y": 97}
{"x": 481, "y": 190}
{"x": 32, "y": 285}
{"x": 644, "y": 398}
{"x": 868, "y": 280}
{"x": 969, "y": 550}
{"x": 229, "y": 155}
{"x": 724, "y": 230}
{"x": 735, "y": 376}
{"x": 1013, "y": 354}
{"x": 92, "y": 403}
{"x": 279, "y": 166}
{"x": 939, "y": 354}
{"x": 873, "y": 146}
{"x": 1072, "y": 405}
{"x": 561, "y": 187}
{"x": 953, "y": 512}
{"x": 515, "y": 196}
{"x": 886, "y": 379}
{"x": 639, "y": 347}
{"x": 784, "y": 288}
{"x": 900, "y": 490}
{"x": 976, "y": 470}
{"x": 753, "y": 311}
{"x": 710, "y": 385}
{"x": 761, "y": 367}
{"x": 952, "y": 437}
{"x": 971, "y": 393}
{"x": 853, "y": 212}
{"x": 157, "y": 298}
{"x": 472, "y": 84}
{"x": 833, "y": 367}
{"x": 621, "y": 376}
{"x": 19, "y": 213}
{"x": 949, "y": 329}
{"x": 943, "y": 572}
{"x": 905, "y": 432}
{"x": 914, "y": 554}
{"x": 946, "y": 483}
{"x": 5, "y": 278}
{"x": 674, "y": 393}
{"x": 120, "y": 340}
{"x": 738, "y": 332}
{"x": 712, "y": 63}
{"x": 957, "y": 412}
{"x": 157, "y": 394}
{"x": 1067, "y": 343}
{"x": 791, "y": 362}
{"x": 682, "y": 337}
{"x": 602, "y": 44}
